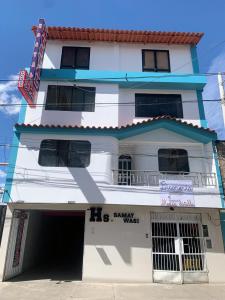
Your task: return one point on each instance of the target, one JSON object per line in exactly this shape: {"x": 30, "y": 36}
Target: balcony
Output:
{"x": 151, "y": 178}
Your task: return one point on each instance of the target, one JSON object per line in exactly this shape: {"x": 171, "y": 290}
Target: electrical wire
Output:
{"x": 100, "y": 150}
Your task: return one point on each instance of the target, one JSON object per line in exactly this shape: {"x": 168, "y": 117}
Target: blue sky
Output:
{"x": 17, "y": 40}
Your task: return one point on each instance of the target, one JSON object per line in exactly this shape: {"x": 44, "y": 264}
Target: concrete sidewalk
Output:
{"x": 49, "y": 290}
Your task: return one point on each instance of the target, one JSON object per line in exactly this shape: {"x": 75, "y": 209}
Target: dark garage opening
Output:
{"x": 54, "y": 246}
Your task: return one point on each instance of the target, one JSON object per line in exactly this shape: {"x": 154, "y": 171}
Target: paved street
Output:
{"x": 49, "y": 290}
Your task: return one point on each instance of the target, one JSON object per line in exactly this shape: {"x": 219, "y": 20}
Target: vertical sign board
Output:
{"x": 22, "y": 216}
{"x": 176, "y": 193}
{"x": 28, "y": 84}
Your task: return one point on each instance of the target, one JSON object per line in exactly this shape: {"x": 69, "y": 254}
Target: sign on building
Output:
{"x": 28, "y": 83}
{"x": 176, "y": 193}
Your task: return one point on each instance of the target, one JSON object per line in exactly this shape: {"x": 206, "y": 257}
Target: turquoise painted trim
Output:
{"x": 13, "y": 155}
{"x": 201, "y": 109}
{"x": 222, "y": 223}
{"x": 194, "y": 59}
{"x": 195, "y": 65}
{"x": 218, "y": 173}
{"x": 123, "y": 133}
{"x": 127, "y": 79}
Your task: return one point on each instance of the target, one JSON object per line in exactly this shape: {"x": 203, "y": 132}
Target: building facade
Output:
{"x": 113, "y": 173}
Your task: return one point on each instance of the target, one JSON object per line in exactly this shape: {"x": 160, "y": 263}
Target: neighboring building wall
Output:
{"x": 220, "y": 145}
{"x": 119, "y": 56}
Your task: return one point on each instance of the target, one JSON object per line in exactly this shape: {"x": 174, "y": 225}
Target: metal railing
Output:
{"x": 151, "y": 178}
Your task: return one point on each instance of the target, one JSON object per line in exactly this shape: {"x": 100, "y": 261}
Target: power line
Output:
{"x": 109, "y": 103}
{"x": 100, "y": 150}
{"x": 126, "y": 77}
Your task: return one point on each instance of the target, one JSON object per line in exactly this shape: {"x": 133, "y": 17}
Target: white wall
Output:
{"x": 104, "y": 114}
{"x": 125, "y": 255}
{"x": 128, "y": 256}
{"x": 94, "y": 184}
{"x": 148, "y": 144}
{"x": 110, "y": 109}
{"x": 127, "y": 112}
{"x": 112, "y": 57}
{"x": 119, "y": 56}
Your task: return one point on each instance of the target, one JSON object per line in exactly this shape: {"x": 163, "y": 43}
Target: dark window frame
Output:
{"x": 70, "y": 106}
{"x": 178, "y": 170}
{"x": 179, "y": 105}
{"x": 75, "y": 66}
{"x": 62, "y": 158}
{"x": 156, "y": 69}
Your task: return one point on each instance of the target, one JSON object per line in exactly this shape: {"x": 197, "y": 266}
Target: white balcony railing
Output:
{"x": 151, "y": 178}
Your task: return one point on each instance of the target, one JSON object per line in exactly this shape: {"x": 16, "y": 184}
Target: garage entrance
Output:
{"x": 54, "y": 245}
{"x": 63, "y": 242}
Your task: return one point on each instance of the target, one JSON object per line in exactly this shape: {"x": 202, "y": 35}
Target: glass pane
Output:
{"x": 63, "y": 148}
{"x": 82, "y": 58}
{"x": 62, "y": 153}
{"x": 68, "y": 57}
{"x": 78, "y": 99}
{"x": 142, "y": 107}
{"x": 148, "y": 60}
{"x": 83, "y": 99}
{"x": 182, "y": 161}
{"x": 79, "y": 154}
{"x": 64, "y": 97}
{"x": 154, "y": 105}
{"x": 173, "y": 160}
{"x": 51, "y": 100}
{"x": 162, "y": 58}
{"x": 89, "y": 99}
{"x": 48, "y": 153}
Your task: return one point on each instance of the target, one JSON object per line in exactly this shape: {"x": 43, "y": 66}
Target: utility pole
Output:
{"x": 222, "y": 95}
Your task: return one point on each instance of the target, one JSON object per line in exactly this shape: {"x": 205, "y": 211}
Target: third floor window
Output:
{"x": 155, "y": 105}
{"x": 70, "y": 98}
{"x": 75, "y": 58}
{"x": 155, "y": 60}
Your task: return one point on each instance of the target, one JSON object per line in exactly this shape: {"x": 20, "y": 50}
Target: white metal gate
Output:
{"x": 178, "y": 248}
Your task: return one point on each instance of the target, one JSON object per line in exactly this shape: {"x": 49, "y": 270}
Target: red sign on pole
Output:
{"x": 28, "y": 84}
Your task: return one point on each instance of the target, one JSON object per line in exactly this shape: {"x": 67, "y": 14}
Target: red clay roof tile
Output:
{"x": 149, "y": 121}
{"x": 121, "y": 36}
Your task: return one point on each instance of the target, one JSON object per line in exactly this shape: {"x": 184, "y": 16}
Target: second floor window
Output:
{"x": 65, "y": 153}
{"x": 173, "y": 161}
{"x": 154, "y": 105}
{"x": 70, "y": 98}
{"x": 75, "y": 58}
{"x": 155, "y": 60}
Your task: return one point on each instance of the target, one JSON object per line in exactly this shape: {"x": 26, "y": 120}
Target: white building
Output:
{"x": 113, "y": 175}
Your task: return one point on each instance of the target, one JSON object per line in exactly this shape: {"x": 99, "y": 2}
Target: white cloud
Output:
{"x": 2, "y": 174}
{"x": 9, "y": 95}
{"x": 213, "y": 109}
